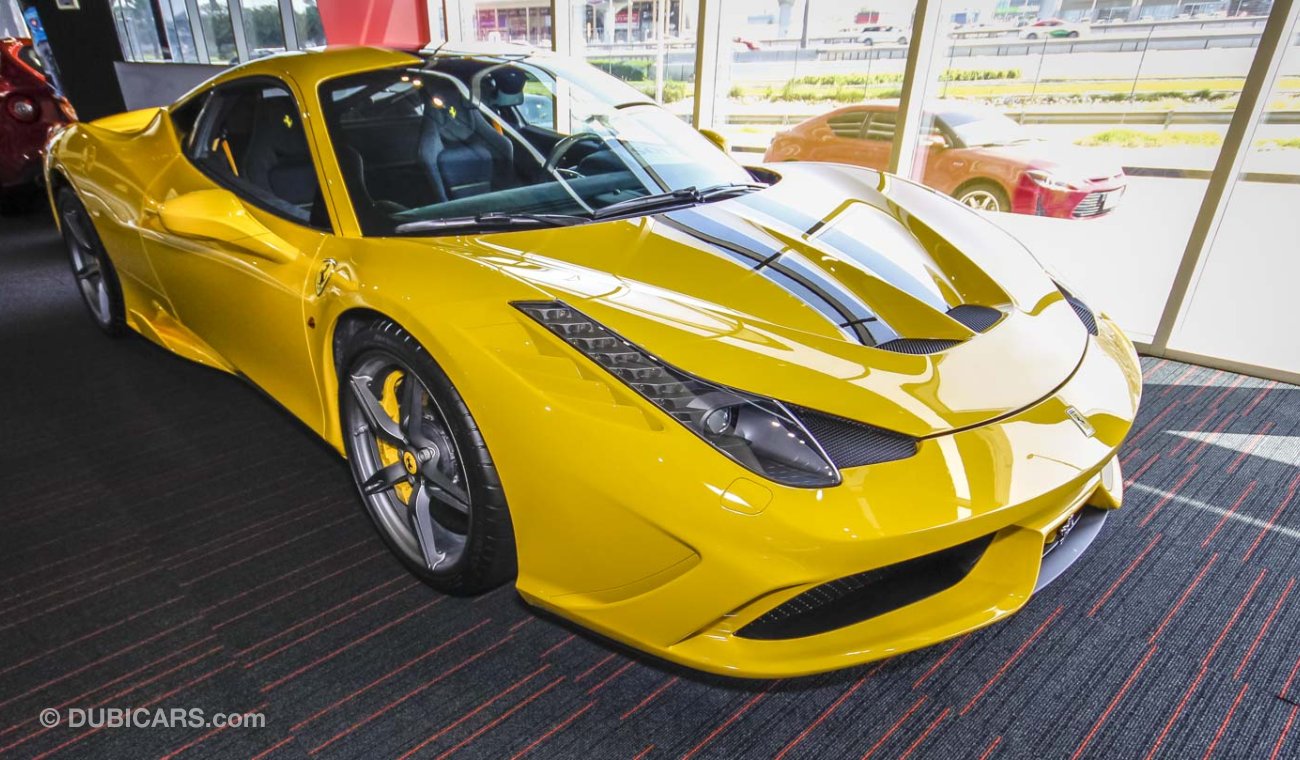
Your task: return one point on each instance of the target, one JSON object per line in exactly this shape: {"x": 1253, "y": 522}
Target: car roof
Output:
{"x": 310, "y": 67}
{"x": 941, "y": 109}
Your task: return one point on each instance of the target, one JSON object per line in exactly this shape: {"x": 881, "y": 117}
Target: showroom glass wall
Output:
{"x": 1240, "y": 303}
{"x": 1098, "y": 139}
{"x": 1095, "y": 136}
{"x": 214, "y": 31}
{"x": 650, "y": 44}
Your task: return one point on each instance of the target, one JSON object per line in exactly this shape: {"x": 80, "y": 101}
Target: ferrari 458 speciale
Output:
{"x": 760, "y": 421}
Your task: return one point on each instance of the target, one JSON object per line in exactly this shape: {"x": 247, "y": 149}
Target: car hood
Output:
{"x": 812, "y": 292}
{"x": 1081, "y": 163}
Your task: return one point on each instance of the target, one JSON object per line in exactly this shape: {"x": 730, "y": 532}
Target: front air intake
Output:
{"x": 854, "y": 444}
{"x": 846, "y": 601}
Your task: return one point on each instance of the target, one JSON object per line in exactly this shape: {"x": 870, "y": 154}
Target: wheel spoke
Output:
{"x": 89, "y": 268}
{"x": 385, "y": 479}
{"x": 442, "y": 489}
{"x": 380, "y": 423}
{"x": 101, "y": 297}
{"x": 424, "y": 526}
{"x": 74, "y": 222}
{"x": 411, "y": 409}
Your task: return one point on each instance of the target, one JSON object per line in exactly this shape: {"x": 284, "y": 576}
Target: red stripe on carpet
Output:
{"x": 1223, "y": 727}
{"x": 1097, "y": 724}
{"x": 1182, "y": 599}
{"x": 1011, "y": 660}
{"x": 1263, "y": 629}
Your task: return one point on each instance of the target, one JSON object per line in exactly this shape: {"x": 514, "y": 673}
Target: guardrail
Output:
{"x": 1163, "y": 118}
{"x": 1107, "y": 43}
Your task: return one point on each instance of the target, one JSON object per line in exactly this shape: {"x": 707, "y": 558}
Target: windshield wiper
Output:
{"x": 715, "y": 192}
{"x": 687, "y": 196}
{"x": 491, "y": 220}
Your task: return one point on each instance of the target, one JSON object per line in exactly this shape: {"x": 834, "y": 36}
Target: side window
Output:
{"x": 847, "y": 124}
{"x": 250, "y": 139}
{"x": 184, "y": 118}
{"x": 882, "y": 126}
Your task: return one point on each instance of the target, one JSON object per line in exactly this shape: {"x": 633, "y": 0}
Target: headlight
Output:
{"x": 1053, "y": 181}
{"x": 759, "y": 433}
{"x": 23, "y": 109}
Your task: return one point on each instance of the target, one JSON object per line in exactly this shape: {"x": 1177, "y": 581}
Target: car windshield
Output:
{"x": 29, "y": 56}
{"x": 985, "y": 128}
{"x": 472, "y": 142}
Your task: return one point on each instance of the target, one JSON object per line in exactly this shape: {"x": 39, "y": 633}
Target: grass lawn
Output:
{"x": 1222, "y": 89}
{"x": 1175, "y": 138}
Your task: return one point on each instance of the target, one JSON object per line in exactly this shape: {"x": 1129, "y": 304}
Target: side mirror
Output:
{"x": 715, "y": 138}
{"x": 219, "y": 215}
{"x": 936, "y": 141}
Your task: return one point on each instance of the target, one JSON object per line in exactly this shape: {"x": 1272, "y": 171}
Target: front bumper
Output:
{"x": 1097, "y": 199}
{"x": 748, "y": 548}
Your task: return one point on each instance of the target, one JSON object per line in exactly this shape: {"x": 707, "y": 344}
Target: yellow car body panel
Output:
{"x": 624, "y": 520}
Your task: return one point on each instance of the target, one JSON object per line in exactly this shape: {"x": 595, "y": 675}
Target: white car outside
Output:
{"x": 878, "y": 34}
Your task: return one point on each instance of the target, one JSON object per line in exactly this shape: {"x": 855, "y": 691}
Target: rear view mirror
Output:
{"x": 715, "y": 138}
{"x": 219, "y": 215}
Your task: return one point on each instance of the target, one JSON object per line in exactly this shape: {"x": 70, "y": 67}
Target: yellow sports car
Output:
{"x": 760, "y": 421}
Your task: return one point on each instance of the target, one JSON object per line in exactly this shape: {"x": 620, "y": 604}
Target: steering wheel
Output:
{"x": 563, "y": 146}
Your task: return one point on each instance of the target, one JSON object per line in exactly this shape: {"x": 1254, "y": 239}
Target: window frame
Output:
{"x": 212, "y": 95}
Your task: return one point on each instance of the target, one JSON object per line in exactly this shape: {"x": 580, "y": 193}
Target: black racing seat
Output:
{"x": 461, "y": 153}
{"x": 278, "y": 161}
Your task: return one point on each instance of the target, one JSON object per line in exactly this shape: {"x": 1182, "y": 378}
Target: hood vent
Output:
{"x": 1086, "y": 316}
{"x": 975, "y": 317}
{"x": 918, "y": 346}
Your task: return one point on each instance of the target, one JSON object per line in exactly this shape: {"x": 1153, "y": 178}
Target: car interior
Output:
{"x": 415, "y": 145}
{"x": 250, "y": 139}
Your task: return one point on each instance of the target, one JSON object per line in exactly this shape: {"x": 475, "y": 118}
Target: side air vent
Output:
{"x": 853, "y": 444}
{"x": 846, "y": 601}
{"x": 917, "y": 345}
{"x": 1086, "y": 316}
{"x": 976, "y": 317}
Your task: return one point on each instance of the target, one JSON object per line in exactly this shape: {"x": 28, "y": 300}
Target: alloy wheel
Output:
{"x": 87, "y": 266}
{"x": 407, "y": 463}
{"x": 982, "y": 200}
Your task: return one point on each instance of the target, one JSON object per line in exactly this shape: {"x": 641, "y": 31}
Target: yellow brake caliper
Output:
{"x": 388, "y": 453}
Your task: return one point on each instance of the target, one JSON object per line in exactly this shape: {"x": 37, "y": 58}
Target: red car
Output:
{"x": 29, "y": 109}
{"x": 975, "y": 154}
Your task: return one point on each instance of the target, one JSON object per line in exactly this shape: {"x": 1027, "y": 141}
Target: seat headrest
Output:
{"x": 505, "y": 86}
{"x": 449, "y": 110}
{"x": 279, "y": 120}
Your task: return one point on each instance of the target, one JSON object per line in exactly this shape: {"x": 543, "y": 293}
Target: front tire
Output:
{"x": 96, "y": 277}
{"x": 983, "y": 196}
{"x": 421, "y": 465}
